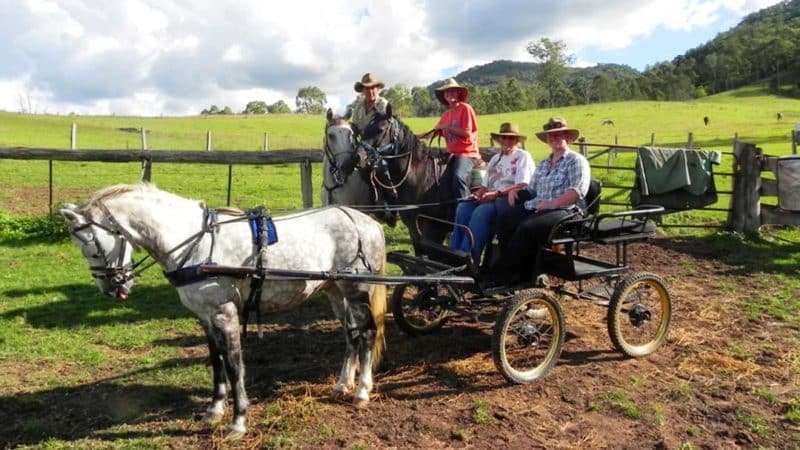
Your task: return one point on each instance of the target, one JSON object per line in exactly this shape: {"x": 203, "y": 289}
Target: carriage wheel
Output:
{"x": 528, "y": 336}
{"x": 639, "y": 314}
{"x": 420, "y": 309}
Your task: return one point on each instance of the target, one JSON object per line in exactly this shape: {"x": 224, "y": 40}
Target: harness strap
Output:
{"x": 264, "y": 234}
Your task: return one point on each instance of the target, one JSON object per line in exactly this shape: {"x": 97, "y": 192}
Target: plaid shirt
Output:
{"x": 570, "y": 172}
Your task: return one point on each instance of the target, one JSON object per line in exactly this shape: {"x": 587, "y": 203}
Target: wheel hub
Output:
{"x": 639, "y": 315}
{"x": 528, "y": 334}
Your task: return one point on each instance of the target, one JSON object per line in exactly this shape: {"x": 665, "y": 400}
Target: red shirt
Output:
{"x": 462, "y": 116}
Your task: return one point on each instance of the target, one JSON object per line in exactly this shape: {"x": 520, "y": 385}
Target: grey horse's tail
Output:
{"x": 377, "y": 306}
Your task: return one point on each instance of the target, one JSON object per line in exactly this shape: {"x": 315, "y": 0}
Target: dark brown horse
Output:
{"x": 406, "y": 175}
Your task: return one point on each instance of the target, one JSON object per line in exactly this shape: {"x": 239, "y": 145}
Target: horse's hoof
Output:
{"x": 360, "y": 403}
{"x": 339, "y": 391}
{"x": 212, "y": 418}
{"x": 235, "y": 433}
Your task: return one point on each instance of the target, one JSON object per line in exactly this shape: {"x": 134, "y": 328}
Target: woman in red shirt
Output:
{"x": 459, "y": 127}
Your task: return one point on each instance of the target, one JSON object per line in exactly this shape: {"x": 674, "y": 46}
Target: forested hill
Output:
{"x": 762, "y": 47}
{"x": 528, "y": 72}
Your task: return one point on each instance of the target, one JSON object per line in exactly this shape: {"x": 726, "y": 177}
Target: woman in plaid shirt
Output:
{"x": 558, "y": 187}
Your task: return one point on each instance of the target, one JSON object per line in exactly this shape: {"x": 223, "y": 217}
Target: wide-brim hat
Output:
{"x": 368, "y": 81}
{"x": 451, "y": 83}
{"x": 508, "y": 129}
{"x": 557, "y": 125}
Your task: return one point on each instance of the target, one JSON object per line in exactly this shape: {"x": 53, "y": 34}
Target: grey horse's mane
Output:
{"x": 119, "y": 189}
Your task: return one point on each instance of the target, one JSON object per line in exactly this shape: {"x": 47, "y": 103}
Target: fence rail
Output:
{"x": 302, "y": 157}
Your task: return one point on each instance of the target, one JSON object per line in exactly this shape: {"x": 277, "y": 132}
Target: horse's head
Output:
{"x": 340, "y": 145}
{"x": 106, "y": 249}
{"x": 380, "y": 133}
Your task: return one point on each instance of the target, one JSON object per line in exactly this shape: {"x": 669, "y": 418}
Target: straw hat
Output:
{"x": 367, "y": 81}
{"x": 451, "y": 83}
{"x": 557, "y": 125}
{"x": 508, "y": 129}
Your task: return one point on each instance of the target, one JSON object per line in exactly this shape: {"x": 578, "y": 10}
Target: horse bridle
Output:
{"x": 117, "y": 272}
{"x": 337, "y": 171}
{"x": 376, "y": 157}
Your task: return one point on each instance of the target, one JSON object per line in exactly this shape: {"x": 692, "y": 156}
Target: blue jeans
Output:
{"x": 462, "y": 166}
{"x": 479, "y": 217}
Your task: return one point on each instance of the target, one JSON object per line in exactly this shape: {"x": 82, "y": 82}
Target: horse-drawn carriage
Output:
{"x": 529, "y": 331}
{"x": 225, "y": 262}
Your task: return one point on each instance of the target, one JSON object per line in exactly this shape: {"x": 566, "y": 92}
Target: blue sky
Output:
{"x": 661, "y": 45}
{"x": 177, "y": 57}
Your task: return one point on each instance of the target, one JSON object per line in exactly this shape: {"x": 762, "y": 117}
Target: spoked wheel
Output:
{"x": 528, "y": 336}
{"x": 639, "y": 314}
{"x": 420, "y": 309}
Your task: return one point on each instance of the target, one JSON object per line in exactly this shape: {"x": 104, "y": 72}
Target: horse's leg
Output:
{"x": 226, "y": 332}
{"x": 215, "y": 412}
{"x": 348, "y": 373}
{"x": 360, "y": 328}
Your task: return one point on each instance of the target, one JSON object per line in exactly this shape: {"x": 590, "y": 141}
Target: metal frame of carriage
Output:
{"x": 529, "y": 330}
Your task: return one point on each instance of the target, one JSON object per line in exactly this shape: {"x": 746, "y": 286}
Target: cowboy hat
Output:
{"x": 508, "y": 129}
{"x": 557, "y": 125}
{"x": 451, "y": 83}
{"x": 367, "y": 81}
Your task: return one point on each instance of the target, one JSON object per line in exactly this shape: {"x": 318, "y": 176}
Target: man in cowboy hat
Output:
{"x": 509, "y": 170}
{"x": 459, "y": 127}
{"x": 557, "y": 189}
{"x": 369, "y": 102}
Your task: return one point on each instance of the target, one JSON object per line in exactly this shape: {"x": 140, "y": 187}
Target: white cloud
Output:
{"x": 180, "y": 56}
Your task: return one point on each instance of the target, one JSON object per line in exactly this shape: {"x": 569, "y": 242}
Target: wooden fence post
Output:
{"x": 690, "y": 141}
{"x": 794, "y": 142}
{"x": 652, "y": 139}
{"x": 73, "y": 136}
{"x": 305, "y": 184}
{"x": 146, "y": 162}
{"x": 208, "y": 141}
{"x": 266, "y": 142}
{"x": 584, "y": 150}
{"x": 745, "y": 214}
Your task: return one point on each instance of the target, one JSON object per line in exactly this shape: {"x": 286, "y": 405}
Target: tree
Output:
{"x": 422, "y": 103}
{"x": 551, "y": 54}
{"x": 213, "y": 109}
{"x": 400, "y": 98}
{"x": 311, "y": 100}
{"x": 279, "y": 107}
{"x": 255, "y": 107}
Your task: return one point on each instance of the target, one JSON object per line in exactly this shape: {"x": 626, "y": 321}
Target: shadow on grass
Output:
{"x": 84, "y": 306}
{"x": 746, "y": 255}
{"x": 77, "y": 412}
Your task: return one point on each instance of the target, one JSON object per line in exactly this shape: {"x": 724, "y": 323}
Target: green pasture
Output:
{"x": 748, "y": 113}
{"x": 89, "y": 372}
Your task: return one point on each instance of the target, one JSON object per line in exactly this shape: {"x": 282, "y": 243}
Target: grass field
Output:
{"x": 80, "y": 371}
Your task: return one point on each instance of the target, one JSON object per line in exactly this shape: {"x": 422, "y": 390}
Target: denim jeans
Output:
{"x": 479, "y": 217}
{"x": 462, "y": 166}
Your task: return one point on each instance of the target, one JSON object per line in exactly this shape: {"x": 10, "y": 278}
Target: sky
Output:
{"x": 177, "y": 57}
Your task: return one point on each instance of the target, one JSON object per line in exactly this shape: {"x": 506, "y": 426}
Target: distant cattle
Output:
{"x": 706, "y": 120}
{"x": 608, "y": 122}
{"x": 780, "y": 116}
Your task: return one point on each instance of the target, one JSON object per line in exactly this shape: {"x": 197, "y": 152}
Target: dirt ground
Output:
{"x": 722, "y": 380}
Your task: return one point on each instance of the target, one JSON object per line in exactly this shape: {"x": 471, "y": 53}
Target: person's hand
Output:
{"x": 512, "y": 195}
{"x": 488, "y": 196}
{"x": 547, "y": 204}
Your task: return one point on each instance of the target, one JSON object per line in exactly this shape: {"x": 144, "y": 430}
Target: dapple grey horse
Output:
{"x": 184, "y": 236}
